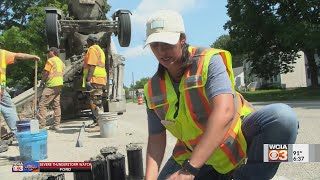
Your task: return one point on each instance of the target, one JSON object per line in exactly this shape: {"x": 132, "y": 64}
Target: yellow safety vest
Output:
{"x": 189, "y": 124}
{"x": 100, "y": 69}
{"x": 55, "y": 77}
{"x": 3, "y": 67}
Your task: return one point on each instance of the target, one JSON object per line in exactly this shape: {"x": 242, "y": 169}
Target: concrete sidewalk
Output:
{"x": 132, "y": 128}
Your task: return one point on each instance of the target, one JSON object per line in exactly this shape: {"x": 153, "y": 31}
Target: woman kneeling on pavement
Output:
{"x": 219, "y": 134}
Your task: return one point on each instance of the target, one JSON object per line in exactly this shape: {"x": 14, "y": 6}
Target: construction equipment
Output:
{"x": 35, "y": 89}
{"x": 80, "y": 136}
{"x": 69, "y": 32}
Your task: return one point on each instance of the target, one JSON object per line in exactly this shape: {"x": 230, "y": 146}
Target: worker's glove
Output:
{"x": 88, "y": 86}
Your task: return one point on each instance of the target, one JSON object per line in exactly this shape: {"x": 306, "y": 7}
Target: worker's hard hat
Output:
{"x": 164, "y": 26}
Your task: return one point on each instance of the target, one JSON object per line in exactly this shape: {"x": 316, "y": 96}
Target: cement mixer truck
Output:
{"x": 69, "y": 32}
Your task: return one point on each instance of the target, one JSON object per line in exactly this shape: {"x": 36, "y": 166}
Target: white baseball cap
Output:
{"x": 164, "y": 26}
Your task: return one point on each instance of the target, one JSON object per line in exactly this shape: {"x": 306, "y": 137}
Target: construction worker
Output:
{"x": 52, "y": 81}
{"x": 192, "y": 96}
{"x": 7, "y": 107}
{"x": 94, "y": 79}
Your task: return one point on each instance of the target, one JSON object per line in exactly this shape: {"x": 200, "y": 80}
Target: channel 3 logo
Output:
{"x": 17, "y": 167}
{"x": 278, "y": 152}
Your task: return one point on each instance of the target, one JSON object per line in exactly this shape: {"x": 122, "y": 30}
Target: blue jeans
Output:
{"x": 272, "y": 124}
{"x": 9, "y": 112}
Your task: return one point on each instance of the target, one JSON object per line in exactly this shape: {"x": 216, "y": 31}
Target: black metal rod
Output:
{"x": 117, "y": 166}
{"x": 135, "y": 162}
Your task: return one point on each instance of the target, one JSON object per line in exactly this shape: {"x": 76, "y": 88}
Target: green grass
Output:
{"x": 299, "y": 94}
{"x": 282, "y": 95}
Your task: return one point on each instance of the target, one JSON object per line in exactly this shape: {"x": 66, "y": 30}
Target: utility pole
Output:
{"x": 132, "y": 85}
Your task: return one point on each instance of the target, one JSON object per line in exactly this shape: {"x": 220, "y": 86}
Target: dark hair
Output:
{"x": 56, "y": 53}
{"x": 186, "y": 59}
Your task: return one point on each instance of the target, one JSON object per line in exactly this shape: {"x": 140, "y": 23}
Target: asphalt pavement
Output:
{"x": 132, "y": 128}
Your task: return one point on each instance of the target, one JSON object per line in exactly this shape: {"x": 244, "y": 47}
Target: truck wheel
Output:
{"x": 124, "y": 29}
{"x": 52, "y": 29}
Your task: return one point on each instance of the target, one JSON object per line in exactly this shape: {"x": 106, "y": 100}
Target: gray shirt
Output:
{"x": 218, "y": 83}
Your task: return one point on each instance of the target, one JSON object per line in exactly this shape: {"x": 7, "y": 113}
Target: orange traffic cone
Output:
{"x": 140, "y": 101}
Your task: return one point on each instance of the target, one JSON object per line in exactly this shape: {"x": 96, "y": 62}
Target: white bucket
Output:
{"x": 108, "y": 124}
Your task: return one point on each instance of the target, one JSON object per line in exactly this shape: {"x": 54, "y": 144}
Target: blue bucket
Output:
{"x": 23, "y": 126}
{"x": 33, "y": 146}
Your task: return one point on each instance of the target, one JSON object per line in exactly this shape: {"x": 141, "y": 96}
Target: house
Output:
{"x": 300, "y": 77}
{"x": 238, "y": 77}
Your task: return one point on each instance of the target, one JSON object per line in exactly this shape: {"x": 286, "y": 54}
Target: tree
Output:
{"x": 271, "y": 33}
{"x": 14, "y": 13}
{"x": 140, "y": 83}
{"x": 226, "y": 43}
{"x": 223, "y": 42}
{"x": 22, "y": 71}
{"x": 27, "y": 36}
{"x": 17, "y": 13}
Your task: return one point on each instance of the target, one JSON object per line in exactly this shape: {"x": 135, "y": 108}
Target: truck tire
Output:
{"x": 52, "y": 29}
{"x": 124, "y": 29}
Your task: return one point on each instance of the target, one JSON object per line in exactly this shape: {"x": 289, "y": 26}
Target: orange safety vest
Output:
{"x": 100, "y": 69}
{"x": 189, "y": 123}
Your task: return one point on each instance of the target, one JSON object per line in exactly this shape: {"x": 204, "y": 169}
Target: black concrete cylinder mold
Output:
{"x": 99, "y": 168}
{"x": 135, "y": 162}
{"x": 117, "y": 166}
{"x": 82, "y": 176}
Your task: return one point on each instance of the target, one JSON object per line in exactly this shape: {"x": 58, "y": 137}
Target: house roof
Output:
{"x": 237, "y": 71}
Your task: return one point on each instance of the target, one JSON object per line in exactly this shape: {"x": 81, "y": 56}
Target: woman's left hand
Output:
{"x": 181, "y": 175}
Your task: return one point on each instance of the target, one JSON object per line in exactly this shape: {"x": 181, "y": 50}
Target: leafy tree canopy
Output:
{"x": 226, "y": 43}
{"x": 271, "y": 32}
{"x": 140, "y": 83}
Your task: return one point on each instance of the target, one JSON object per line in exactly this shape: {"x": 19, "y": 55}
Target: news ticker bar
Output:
{"x": 291, "y": 152}
{"x": 52, "y": 167}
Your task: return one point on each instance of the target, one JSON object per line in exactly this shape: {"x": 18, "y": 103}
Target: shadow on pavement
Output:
{"x": 8, "y": 160}
{"x": 95, "y": 136}
{"x": 68, "y": 131}
{"x": 66, "y": 127}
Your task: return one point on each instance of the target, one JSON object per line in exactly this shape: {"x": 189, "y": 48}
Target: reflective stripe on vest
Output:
{"x": 200, "y": 112}
{"x": 100, "y": 69}
{"x": 101, "y": 61}
{"x": 180, "y": 149}
{"x": 55, "y": 77}
{"x": 3, "y": 67}
{"x": 192, "y": 88}
{"x": 160, "y": 99}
